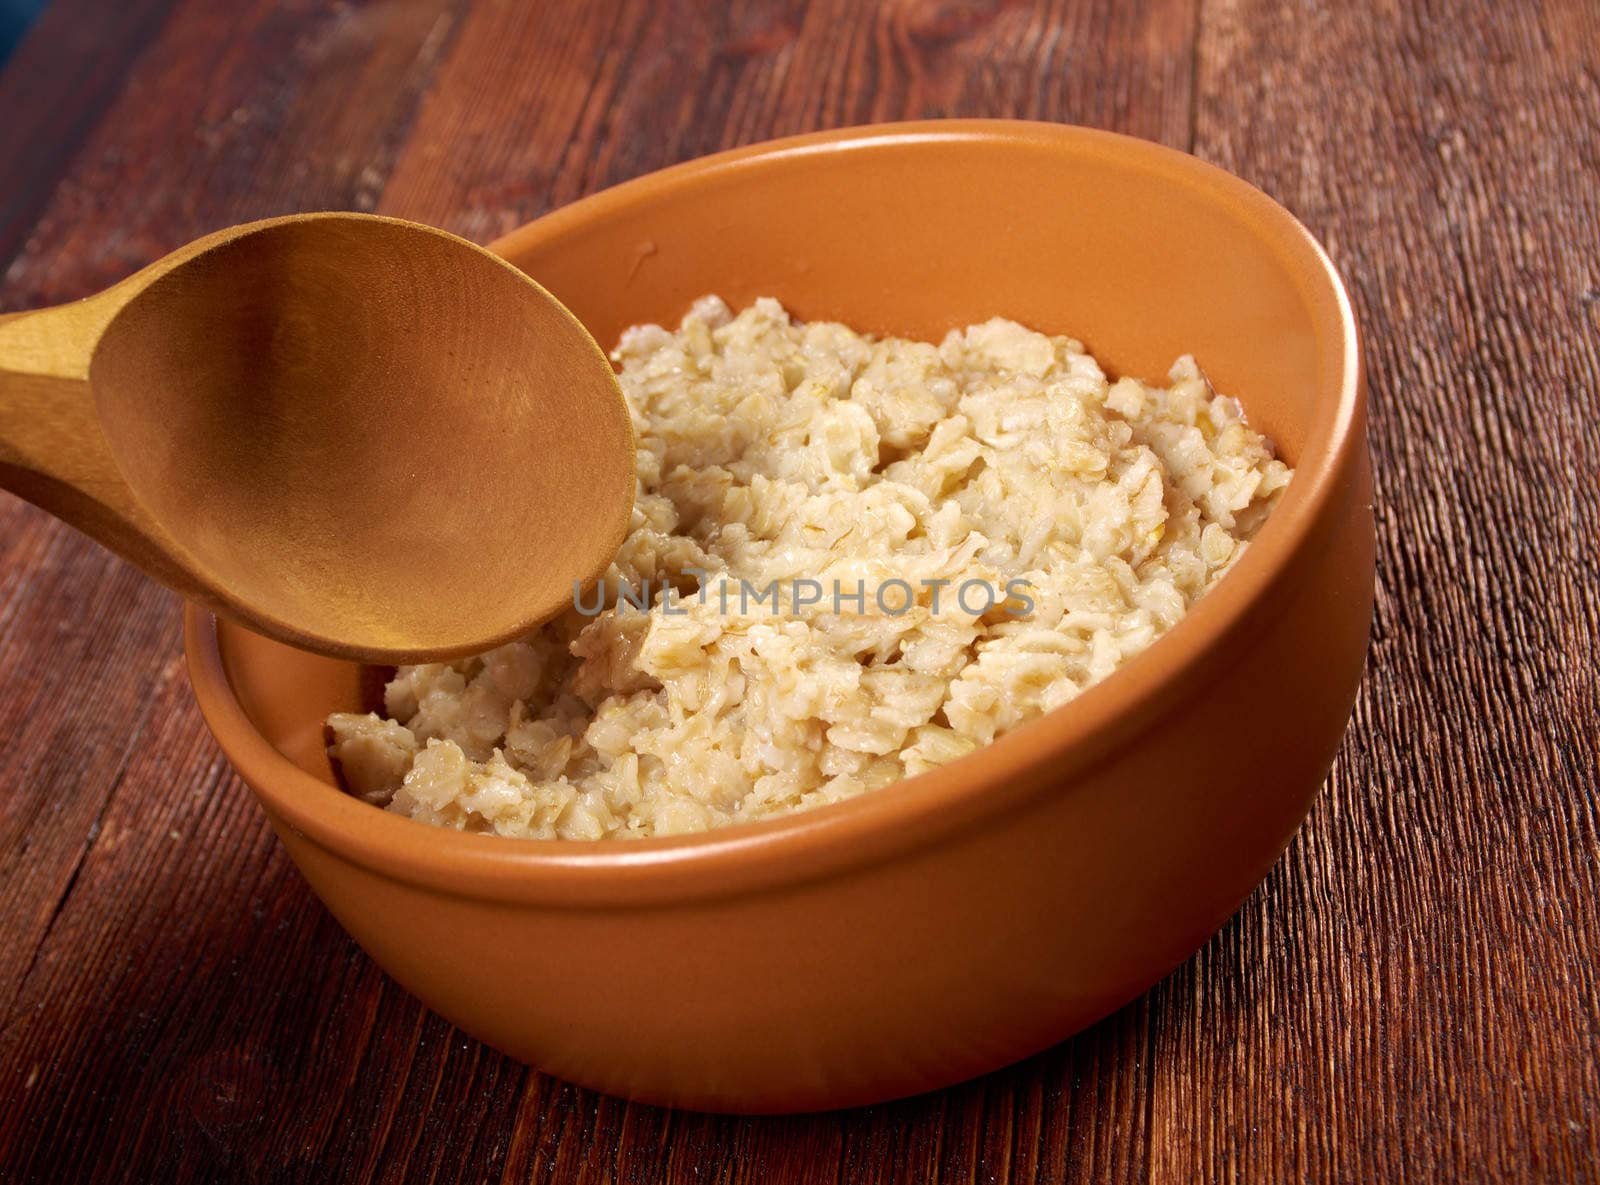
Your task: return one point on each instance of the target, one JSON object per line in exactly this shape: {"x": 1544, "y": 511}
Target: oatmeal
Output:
{"x": 851, "y": 560}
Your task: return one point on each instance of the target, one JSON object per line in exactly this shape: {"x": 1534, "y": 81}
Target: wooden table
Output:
{"x": 1411, "y": 994}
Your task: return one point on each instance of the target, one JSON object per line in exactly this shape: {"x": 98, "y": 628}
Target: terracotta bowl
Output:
{"x": 971, "y": 916}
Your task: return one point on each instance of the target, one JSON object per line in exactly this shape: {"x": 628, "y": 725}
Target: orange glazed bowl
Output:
{"x": 967, "y": 917}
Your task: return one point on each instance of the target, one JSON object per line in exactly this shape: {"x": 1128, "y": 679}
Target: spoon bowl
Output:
{"x": 362, "y": 436}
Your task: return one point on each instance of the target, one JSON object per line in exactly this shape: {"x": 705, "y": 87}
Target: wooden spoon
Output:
{"x": 359, "y": 435}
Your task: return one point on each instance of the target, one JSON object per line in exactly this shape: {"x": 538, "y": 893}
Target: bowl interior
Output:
{"x": 1142, "y": 253}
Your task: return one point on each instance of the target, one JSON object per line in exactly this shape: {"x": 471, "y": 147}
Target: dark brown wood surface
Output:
{"x": 1411, "y": 995}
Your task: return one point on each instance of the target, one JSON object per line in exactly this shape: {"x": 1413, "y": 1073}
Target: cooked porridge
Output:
{"x": 851, "y": 560}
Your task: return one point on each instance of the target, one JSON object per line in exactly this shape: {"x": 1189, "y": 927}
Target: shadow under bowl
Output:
{"x": 971, "y": 916}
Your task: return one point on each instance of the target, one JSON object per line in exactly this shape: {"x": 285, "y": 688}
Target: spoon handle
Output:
{"x": 48, "y": 427}
{"x": 53, "y": 452}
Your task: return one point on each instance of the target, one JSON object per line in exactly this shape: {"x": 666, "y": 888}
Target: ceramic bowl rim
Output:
{"x": 919, "y": 811}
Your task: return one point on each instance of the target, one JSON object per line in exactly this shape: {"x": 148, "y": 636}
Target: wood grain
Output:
{"x": 1410, "y": 996}
{"x": 63, "y": 80}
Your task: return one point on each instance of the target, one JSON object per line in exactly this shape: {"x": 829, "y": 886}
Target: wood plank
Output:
{"x": 1417, "y": 997}
{"x": 65, "y": 74}
{"x": 541, "y": 104}
{"x": 235, "y": 112}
